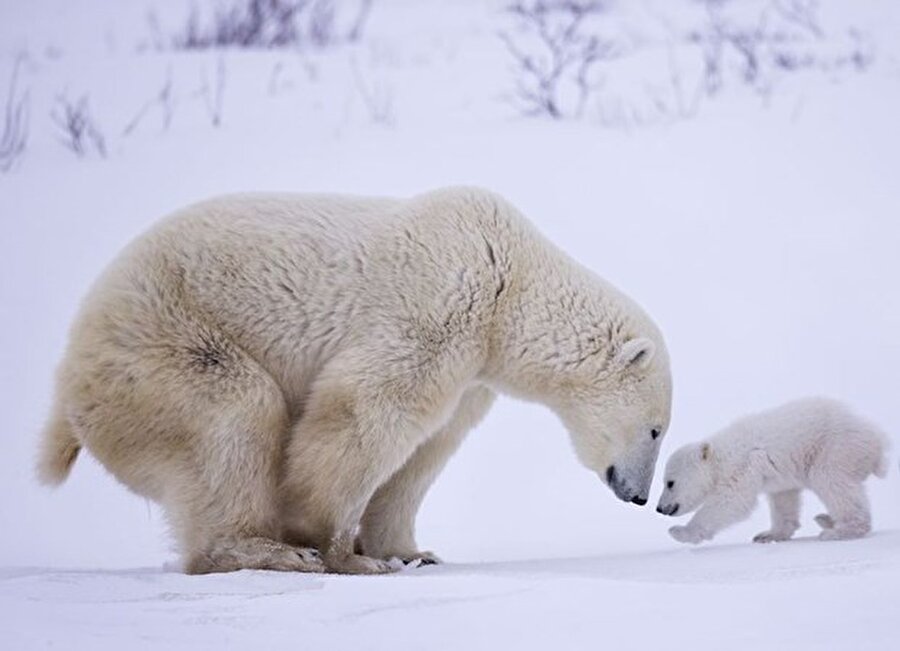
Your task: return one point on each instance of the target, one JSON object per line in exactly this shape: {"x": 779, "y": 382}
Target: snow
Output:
{"x": 761, "y": 233}
{"x": 735, "y": 596}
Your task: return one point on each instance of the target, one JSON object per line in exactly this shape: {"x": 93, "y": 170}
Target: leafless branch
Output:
{"x": 359, "y": 24}
{"x": 78, "y": 130}
{"x": 213, "y": 94}
{"x": 16, "y": 112}
{"x": 164, "y": 99}
{"x": 556, "y": 51}
{"x": 378, "y": 100}
{"x": 783, "y": 38}
{"x": 273, "y": 24}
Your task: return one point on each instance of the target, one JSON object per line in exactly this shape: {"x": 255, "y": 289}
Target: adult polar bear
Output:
{"x": 289, "y": 373}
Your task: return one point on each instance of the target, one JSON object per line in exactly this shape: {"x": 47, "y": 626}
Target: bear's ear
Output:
{"x": 636, "y": 353}
{"x": 705, "y": 451}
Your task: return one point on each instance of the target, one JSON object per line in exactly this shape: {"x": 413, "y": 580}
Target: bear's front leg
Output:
{"x": 388, "y": 526}
{"x": 358, "y": 430}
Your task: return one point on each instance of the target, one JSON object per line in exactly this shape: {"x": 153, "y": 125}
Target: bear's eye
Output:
{"x": 654, "y": 434}
{"x": 670, "y": 483}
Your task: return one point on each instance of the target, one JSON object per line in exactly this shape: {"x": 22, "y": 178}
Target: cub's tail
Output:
{"x": 882, "y": 463}
{"x": 58, "y": 450}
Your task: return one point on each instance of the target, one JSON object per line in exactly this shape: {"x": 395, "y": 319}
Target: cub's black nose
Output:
{"x": 611, "y": 474}
{"x": 640, "y": 501}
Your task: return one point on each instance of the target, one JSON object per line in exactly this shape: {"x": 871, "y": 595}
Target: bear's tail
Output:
{"x": 58, "y": 450}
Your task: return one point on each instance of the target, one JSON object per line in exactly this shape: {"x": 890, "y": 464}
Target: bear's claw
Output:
{"x": 421, "y": 558}
{"x": 771, "y": 537}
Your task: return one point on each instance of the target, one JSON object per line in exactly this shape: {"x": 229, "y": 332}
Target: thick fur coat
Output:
{"x": 287, "y": 374}
{"x": 815, "y": 443}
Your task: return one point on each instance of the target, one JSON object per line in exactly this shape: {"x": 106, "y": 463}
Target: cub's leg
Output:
{"x": 848, "y": 508}
{"x": 785, "y": 513}
{"x": 388, "y": 525}
{"x": 729, "y": 505}
{"x": 359, "y": 428}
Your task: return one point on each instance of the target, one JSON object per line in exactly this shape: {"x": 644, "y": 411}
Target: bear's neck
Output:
{"x": 552, "y": 313}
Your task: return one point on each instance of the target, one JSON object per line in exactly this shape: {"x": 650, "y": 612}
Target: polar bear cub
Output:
{"x": 814, "y": 443}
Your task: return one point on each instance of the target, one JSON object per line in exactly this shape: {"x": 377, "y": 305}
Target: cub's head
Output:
{"x": 618, "y": 415}
{"x": 688, "y": 479}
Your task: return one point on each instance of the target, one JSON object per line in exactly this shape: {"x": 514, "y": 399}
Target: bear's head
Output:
{"x": 689, "y": 479}
{"x": 617, "y": 415}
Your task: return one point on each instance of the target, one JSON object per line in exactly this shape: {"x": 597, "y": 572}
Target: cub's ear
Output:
{"x": 636, "y": 353}
{"x": 705, "y": 451}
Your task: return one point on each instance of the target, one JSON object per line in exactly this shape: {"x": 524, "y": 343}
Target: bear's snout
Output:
{"x": 670, "y": 509}
{"x": 621, "y": 487}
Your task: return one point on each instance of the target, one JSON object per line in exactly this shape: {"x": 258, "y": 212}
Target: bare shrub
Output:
{"x": 359, "y": 23}
{"x": 322, "y": 23}
{"x": 213, "y": 93}
{"x": 378, "y": 99}
{"x": 274, "y": 24}
{"x": 14, "y": 137}
{"x": 784, "y": 36}
{"x": 78, "y": 130}
{"x": 164, "y": 100}
{"x": 553, "y": 55}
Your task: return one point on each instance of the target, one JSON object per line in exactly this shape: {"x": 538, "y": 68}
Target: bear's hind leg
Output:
{"x": 226, "y": 516}
{"x": 220, "y": 491}
{"x": 785, "y": 512}
{"x": 848, "y": 509}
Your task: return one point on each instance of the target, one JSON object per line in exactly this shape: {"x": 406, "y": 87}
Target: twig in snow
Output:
{"x": 14, "y": 138}
{"x": 559, "y": 53}
{"x": 78, "y": 130}
{"x": 164, "y": 98}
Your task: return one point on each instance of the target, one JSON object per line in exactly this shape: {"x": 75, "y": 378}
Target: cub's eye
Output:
{"x": 670, "y": 483}
{"x": 654, "y": 434}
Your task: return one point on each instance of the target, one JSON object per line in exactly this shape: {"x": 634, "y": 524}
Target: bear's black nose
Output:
{"x": 659, "y": 509}
{"x": 640, "y": 501}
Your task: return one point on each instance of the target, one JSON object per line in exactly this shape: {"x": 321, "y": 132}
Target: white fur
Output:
{"x": 285, "y": 372}
{"x": 816, "y": 444}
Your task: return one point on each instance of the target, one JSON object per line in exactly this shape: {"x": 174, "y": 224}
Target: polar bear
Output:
{"x": 814, "y": 443}
{"x": 287, "y": 374}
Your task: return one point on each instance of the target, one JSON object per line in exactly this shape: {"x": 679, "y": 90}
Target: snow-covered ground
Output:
{"x": 801, "y": 595}
{"x": 761, "y": 230}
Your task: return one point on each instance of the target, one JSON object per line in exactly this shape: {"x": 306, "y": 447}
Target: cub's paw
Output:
{"x": 686, "y": 534}
{"x": 771, "y": 537}
{"x": 825, "y": 521}
{"x": 844, "y": 533}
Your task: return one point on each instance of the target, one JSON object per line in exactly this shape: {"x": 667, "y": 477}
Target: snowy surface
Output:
{"x": 800, "y": 595}
{"x": 761, "y": 232}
